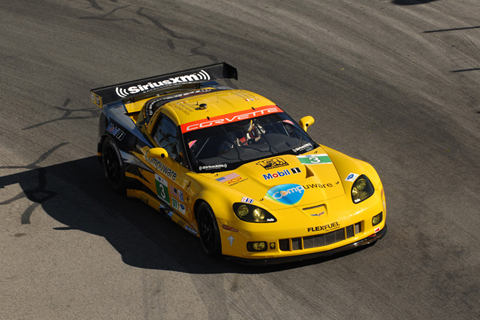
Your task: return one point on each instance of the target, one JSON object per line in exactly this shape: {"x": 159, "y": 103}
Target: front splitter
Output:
{"x": 272, "y": 261}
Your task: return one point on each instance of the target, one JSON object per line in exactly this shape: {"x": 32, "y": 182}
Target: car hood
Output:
{"x": 286, "y": 181}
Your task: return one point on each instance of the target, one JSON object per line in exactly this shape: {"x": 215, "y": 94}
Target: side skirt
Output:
{"x": 164, "y": 209}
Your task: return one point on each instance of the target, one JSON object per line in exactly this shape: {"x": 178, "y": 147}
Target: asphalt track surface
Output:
{"x": 392, "y": 82}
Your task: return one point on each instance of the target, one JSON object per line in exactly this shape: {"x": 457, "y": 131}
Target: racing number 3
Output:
{"x": 162, "y": 188}
{"x": 315, "y": 159}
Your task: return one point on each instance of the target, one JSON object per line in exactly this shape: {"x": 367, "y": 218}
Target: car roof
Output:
{"x": 213, "y": 104}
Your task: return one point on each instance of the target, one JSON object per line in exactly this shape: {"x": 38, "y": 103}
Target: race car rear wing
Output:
{"x": 103, "y": 95}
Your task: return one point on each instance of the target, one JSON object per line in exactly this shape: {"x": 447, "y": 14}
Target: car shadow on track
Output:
{"x": 76, "y": 195}
{"x": 411, "y": 2}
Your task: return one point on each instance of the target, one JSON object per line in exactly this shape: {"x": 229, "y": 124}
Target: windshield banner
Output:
{"x": 229, "y": 118}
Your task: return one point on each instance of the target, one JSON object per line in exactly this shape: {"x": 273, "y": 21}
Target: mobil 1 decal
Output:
{"x": 116, "y": 131}
{"x": 282, "y": 173}
{"x": 315, "y": 159}
{"x": 162, "y": 188}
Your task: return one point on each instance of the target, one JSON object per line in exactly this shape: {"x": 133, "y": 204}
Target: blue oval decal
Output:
{"x": 288, "y": 194}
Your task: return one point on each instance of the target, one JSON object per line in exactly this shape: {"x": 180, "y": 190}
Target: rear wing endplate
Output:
{"x": 103, "y": 95}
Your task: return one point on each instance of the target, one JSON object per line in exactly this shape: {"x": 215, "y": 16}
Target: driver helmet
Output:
{"x": 251, "y": 132}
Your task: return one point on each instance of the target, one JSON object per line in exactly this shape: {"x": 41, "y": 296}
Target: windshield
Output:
{"x": 226, "y": 147}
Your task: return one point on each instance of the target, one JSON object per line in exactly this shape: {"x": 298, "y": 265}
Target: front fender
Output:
{"x": 219, "y": 197}
{"x": 346, "y": 165}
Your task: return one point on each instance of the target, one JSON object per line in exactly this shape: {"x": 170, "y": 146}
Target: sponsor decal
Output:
{"x": 351, "y": 177}
{"x": 277, "y": 174}
{"x": 272, "y": 163}
{"x": 296, "y": 170}
{"x": 95, "y": 99}
{"x": 161, "y": 167}
{"x": 317, "y": 185}
{"x": 235, "y": 181}
{"x": 149, "y": 86}
{"x": 181, "y": 208}
{"x": 326, "y": 227}
{"x": 229, "y": 118}
{"x": 317, "y": 214}
{"x": 191, "y": 230}
{"x": 231, "y": 239}
{"x": 213, "y": 167}
{"x": 247, "y": 200}
{"x": 228, "y": 177}
{"x": 283, "y": 173}
{"x": 377, "y": 230}
{"x": 288, "y": 194}
{"x": 303, "y": 147}
{"x": 177, "y": 193}
{"x": 231, "y": 179}
{"x": 175, "y": 203}
{"x": 162, "y": 188}
{"x": 315, "y": 159}
{"x": 116, "y": 132}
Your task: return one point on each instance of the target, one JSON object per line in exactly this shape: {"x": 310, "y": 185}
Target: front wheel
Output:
{"x": 113, "y": 166}
{"x": 208, "y": 230}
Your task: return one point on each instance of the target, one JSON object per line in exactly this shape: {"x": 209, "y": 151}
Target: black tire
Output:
{"x": 208, "y": 230}
{"x": 113, "y": 166}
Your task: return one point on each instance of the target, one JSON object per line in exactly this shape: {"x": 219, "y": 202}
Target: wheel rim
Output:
{"x": 112, "y": 166}
{"x": 207, "y": 231}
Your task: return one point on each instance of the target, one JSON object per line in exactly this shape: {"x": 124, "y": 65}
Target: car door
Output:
{"x": 172, "y": 183}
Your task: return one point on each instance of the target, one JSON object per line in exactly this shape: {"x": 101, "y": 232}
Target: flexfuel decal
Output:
{"x": 315, "y": 159}
{"x": 288, "y": 194}
{"x": 331, "y": 226}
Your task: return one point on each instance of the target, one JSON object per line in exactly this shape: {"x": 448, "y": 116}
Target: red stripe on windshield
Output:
{"x": 229, "y": 118}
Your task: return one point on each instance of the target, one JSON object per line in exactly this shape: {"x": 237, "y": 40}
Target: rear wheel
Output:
{"x": 208, "y": 230}
{"x": 113, "y": 166}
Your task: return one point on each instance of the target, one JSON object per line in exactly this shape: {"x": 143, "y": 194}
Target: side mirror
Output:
{"x": 306, "y": 122}
{"x": 157, "y": 153}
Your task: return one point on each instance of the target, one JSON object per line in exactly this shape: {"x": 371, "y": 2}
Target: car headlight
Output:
{"x": 251, "y": 213}
{"x": 362, "y": 189}
{"x": 377, "y": 219}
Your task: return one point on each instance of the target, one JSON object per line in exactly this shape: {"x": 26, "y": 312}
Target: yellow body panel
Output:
{"x": 325, "y": 207}
{"x": 326, "y": 193}
{"x": 216, "y": 104}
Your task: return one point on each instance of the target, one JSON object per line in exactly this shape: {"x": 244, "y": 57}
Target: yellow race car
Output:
{"x": 234, "y": 169}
